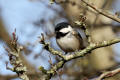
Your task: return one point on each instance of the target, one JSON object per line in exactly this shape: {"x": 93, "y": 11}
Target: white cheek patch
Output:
{"x": 65, "y": 30}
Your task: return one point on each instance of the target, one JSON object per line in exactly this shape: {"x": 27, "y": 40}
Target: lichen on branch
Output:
{"x": 68, "y": 57}
{"x": 15, "y": 60}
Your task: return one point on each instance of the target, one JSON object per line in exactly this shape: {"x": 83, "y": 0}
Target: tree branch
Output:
{"x": 15, "y": 60}
{"x": 82, "y": 25}
{"x": 113, "y": 17}
{"x": 108, "y": 74}
{"x": 51, "y": 50}
{"x": 66, "y": 58}
{"x": 90, "y": 48}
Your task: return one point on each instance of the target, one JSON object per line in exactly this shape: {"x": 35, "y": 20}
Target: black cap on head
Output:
{"x": 61, "y": 25}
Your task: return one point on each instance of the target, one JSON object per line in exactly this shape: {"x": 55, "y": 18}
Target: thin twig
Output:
{"x": 15, "y": 60}
{"x": 51, "y": 50}
{"x": 82, "y": 25}
{"x": 108, "y": 74}
{"x": 113, "y": 17}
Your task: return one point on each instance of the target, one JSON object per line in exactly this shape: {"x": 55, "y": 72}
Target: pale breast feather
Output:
{"x": 69, "y": 43}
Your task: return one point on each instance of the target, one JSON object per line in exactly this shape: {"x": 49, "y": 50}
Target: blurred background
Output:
{"x": 30, "y": 18}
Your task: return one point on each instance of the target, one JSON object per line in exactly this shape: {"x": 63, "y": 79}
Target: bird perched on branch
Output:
{"x": 68, "y": 39}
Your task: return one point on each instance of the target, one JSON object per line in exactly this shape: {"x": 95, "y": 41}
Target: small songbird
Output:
{"x": 68, "y": 39}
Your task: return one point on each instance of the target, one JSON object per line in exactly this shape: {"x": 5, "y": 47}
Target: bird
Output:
{"x": 68, "y": 38}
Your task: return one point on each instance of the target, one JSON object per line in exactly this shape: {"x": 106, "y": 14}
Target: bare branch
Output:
{"x": 66, "y": 58}
{"x": 113, "y": 17}
{"x": 51, "y": 50}
{"x": 90, "y": 48}
{"x": 108, "y": 74}
{"x": 53, "y": 70}
{"x": 81, "y": 24}
{"x": 15, "y": 60}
